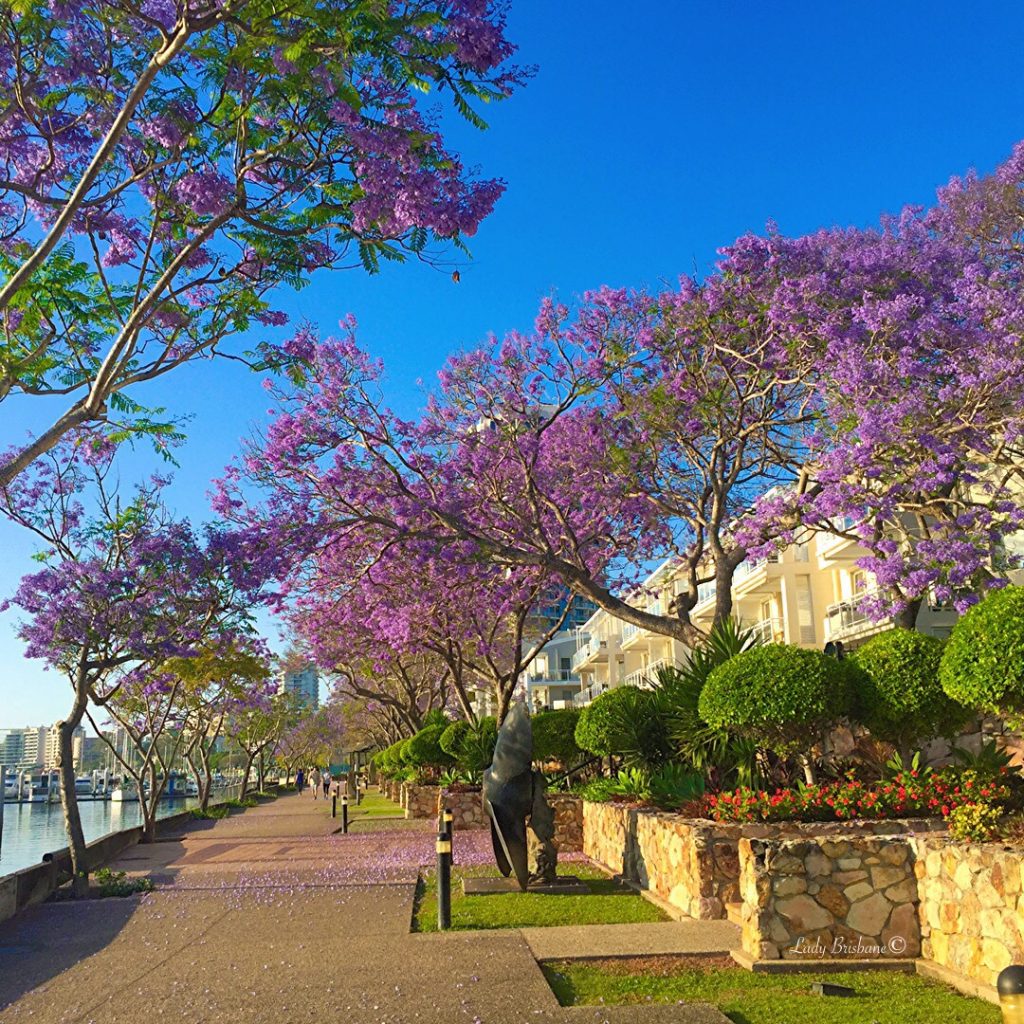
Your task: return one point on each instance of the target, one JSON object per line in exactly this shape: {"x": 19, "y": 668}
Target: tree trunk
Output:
{"x": 69, "y": 798}
{"x": 907, "y": 617}
{"x": 245, "y": 777}
{"x": 807, "y": 763}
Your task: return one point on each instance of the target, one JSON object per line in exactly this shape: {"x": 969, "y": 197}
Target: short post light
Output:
{"x": 334, "y": 804}
{"x": 1010, "y": 986}
{"x": 449, "y": 830}
{"x": 344, "y": 813}
{"x": 444, "y": 881}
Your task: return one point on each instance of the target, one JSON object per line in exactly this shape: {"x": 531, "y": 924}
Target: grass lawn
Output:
{"x": 608, "y": 903}
{"x": 373, "y": 805}
{"x": 882, "y": 997}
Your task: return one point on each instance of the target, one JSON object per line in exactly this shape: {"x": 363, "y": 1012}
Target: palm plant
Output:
{"x": 724, "y": 759}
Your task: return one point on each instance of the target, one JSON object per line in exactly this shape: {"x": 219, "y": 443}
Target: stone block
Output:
{"x": 869, "y": 916}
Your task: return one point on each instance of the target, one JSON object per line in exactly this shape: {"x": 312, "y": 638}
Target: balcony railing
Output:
{"x": 585, "y": 696}
{"x": 562, "y": 675}
{"x": 595, "y": 645}
{"x": 645, "y": 677}
{"x": 766, "y": 631}
{"x": 629, "y": 631}
{"x": 847, "y": 616}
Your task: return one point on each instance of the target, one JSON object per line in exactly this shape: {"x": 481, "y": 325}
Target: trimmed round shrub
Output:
{"x": 625, "y": 722}
{"x": 554, "y": 736}
{"x": 983, "y": 664}
{"x": 452, "y": 737}
{"x": 424, "y": 749}
{"x": 470, "y": 746}
{"x": 899, "y": 697}
{"x": 780, "y": 696}
{"x": 391, "y": 758}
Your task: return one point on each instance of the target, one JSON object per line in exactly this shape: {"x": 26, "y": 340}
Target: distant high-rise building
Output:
{"x": 24, "y": 748}
{"x": 550, "y": 609}
{"x": 52, "y": 749}
{"x": 304, "y": 683}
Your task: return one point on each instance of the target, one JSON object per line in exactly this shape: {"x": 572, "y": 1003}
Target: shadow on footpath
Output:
{"x": 43, "y": 941}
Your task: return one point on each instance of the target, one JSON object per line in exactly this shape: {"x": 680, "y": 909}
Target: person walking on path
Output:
{"x": 327, "y": 783}
{"x": 314, "y": 778}
{"x": 300, "y": 781}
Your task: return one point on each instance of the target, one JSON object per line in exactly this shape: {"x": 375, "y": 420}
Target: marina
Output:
{"x": 32, "y": 829}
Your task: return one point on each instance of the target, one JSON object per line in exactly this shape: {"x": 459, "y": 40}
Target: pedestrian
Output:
{"x": 314, "y": 778}
{"x": 300, "y": 781}
{"x": 327, "y": 782}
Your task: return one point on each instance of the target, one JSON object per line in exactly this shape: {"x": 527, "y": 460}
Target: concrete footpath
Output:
{"x": 268, "y": 916}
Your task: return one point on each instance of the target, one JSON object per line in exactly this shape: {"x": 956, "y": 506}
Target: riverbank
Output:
{"x": 31, "y": 830}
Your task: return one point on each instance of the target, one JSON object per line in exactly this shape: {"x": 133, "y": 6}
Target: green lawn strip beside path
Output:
{"x": 882, "y": 997}
{"x": 373, "y": 805}
{"x": 608, "y": 903}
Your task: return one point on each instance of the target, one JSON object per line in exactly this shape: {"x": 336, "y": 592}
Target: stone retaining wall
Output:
{"x": 467, "y": 808}
{"x": 829, "y": 898}
{"x": 421, "y": 801}
{"x": 568, "y": 821}
{"x": 972, "y": 906}
{"x": 693, "y": 863}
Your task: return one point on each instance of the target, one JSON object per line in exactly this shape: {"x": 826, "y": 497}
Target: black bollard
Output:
{"x": 344, "y": 813}
{"x": 444, "y": 881}
{"x": 334, "y": 805}
{"x": 1010, "y": 986}
{"x": 449, "y": 830}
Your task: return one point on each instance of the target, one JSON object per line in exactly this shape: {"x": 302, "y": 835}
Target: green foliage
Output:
{"x": 470, "y": 745}
{"x": 990, "y": 762}
{"x": 424, "y": 749}
{"x": 674, "y": 785}
{"x": 625, "y": 722}
{"x": 669, "y": 787}
{"x": 554, "y": 736}
{"x": 389, "y": 760}
{"x": 983, "y": 664}
{"x": 452, "y": 737}
{"x": 435, "y": 717}
{"x": 974, "y": 823}
{"x": 898, "y": 695}
{"x": 724, "y": 758}
{"x": 117, "y": 883}
{"x": 779, "y": 696}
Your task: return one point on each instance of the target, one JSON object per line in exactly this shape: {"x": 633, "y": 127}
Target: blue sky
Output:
{"x": 651, "y": 135}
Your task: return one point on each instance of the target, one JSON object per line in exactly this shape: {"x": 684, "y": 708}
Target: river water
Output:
{"x": 30, "y": 830}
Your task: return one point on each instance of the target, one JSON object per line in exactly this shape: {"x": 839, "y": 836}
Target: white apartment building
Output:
{"x": 808, "y": 594}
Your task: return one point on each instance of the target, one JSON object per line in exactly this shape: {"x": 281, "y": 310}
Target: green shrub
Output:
{"x": 974, "y": 823}
{"x": 117, "y": 883}
{"x": 452, "y": 737}
{"x": 625, "y": 722}
{"x": 983, "y": 664}
{"x": 471, "y": 746}
{"x": 435, "y": 717}
{"x": 899, "y": 696}
{"x": 424, "y": 749}
{"x": 554, "y": 736}
{"x": 779, "y": 696}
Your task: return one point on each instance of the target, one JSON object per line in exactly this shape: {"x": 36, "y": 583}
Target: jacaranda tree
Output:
{"x": 165, "y": 164}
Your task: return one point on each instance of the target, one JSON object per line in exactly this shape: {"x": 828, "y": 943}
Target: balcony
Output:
{"x": 754, "y": 575}
{"x": 585, "y": 696}
{"x": 846, "y": 619}
{"x": 629, "y": 632}
{"x": 647, "y": 676}
{"x": 833, "y": 548}
{"x": 557, "y": 678}
{"x": 767, "y": 631}
{"x": 594, "y": 649}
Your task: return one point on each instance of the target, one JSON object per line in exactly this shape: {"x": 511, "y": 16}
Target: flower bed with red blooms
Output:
{"x": 910, "y": 794}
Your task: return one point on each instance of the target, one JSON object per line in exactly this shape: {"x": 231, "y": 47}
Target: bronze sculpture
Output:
{"x": 514, "y": 799}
